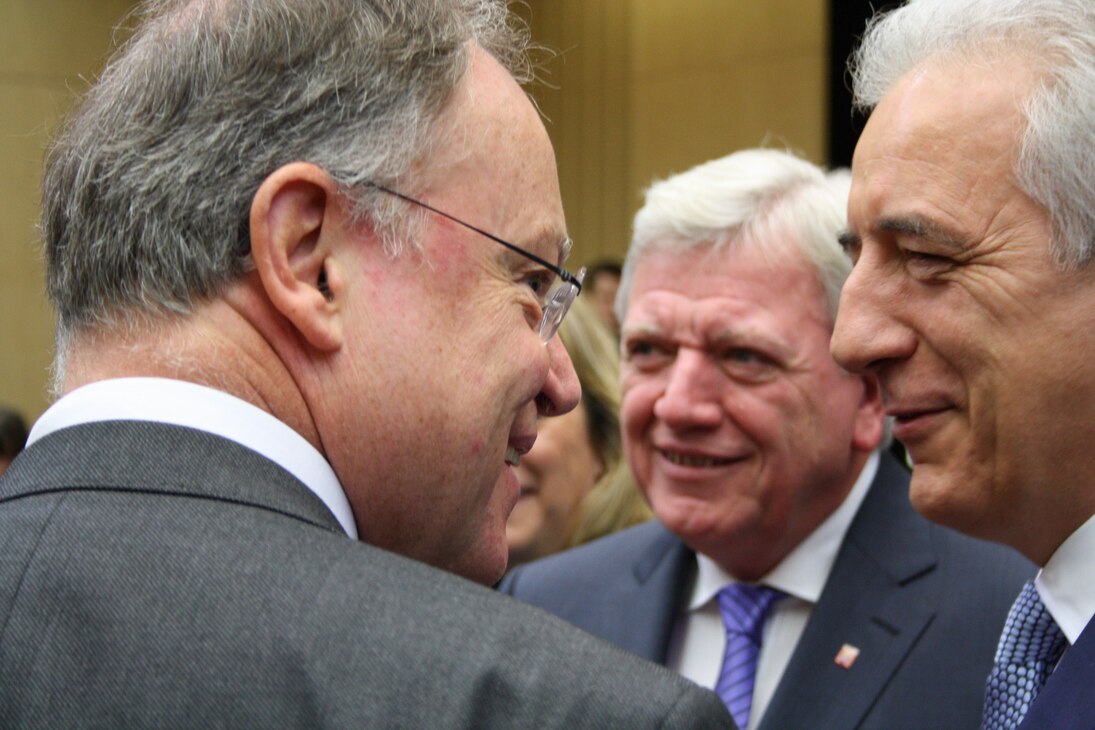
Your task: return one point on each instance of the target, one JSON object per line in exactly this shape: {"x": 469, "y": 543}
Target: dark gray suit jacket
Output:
{"x": 925, "y": 605}
{"x": 156, "y": 576}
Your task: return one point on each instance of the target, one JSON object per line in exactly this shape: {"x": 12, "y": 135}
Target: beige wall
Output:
{"x": 647, "y": 88}
{"x": 48, "y": 47}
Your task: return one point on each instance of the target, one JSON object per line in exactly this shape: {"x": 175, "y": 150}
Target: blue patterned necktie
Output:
{"x": 1028, "y": 651}
{"x": 744, "y": 609}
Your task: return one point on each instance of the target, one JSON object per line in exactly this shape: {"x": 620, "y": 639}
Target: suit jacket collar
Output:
{"x": 866, "y": 604}
{"x": 888, "y": 545}
{"x": 663, "y": 573}
{"x": 157, "y": 458}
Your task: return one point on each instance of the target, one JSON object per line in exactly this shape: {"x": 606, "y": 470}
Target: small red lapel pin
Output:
{"x": 846, "y": 657}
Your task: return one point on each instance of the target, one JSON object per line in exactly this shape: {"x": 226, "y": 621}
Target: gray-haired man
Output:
{"x": 289, "y": 312}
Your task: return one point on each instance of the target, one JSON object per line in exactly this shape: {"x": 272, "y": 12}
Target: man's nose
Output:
{"x": 692, "y": 396}
{"x": 561, "y": 390}
{"x": 866, "y": 333}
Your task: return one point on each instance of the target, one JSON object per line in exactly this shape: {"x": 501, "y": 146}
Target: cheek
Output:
{"x": 636, "y": 418}
{"x": 637, "y": 404}
{"x": 507, "y": 370}
{"x": 764, "y": 415}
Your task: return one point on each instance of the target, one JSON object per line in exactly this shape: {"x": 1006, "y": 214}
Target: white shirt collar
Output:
{"x": 804, "y": 571}
{"x": 187, "y": 404}
{"x": 1067, "y": 582}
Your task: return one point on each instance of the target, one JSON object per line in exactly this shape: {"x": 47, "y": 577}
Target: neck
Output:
{"x": 233, "y": 344}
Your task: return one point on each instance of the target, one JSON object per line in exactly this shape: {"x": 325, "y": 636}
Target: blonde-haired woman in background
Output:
{"x": 575, "y": 484}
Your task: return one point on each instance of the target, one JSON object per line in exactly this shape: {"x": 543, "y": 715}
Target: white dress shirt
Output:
{"x": 699, "y": 640}
{"x": 181, "y": 403}
{"x": 1067, "y": 582}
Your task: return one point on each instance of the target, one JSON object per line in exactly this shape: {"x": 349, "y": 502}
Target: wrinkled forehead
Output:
{"x": 943, "y": 144}
{"x": 703, "y": 294}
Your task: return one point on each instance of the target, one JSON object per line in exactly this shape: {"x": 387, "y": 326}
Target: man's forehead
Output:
{"x": 710, "y": 316}
{"x": 961, "y": 109}
{"x": 715, "y": 325}
{"x": 934, "y": 176}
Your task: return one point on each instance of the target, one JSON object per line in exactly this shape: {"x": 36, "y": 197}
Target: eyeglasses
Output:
{"x": 559, "y": 298}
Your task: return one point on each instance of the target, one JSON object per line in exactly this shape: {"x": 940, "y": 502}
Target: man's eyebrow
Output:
{"x": 548, "y": 237}
{"x": 565, "y": 246}
{"x": 920, "y": 227}
{"x": 849, "y": 241}
{"x": 645, "y": 328}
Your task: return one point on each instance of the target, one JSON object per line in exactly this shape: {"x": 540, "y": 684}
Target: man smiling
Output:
{"x": 972, "y": 221}
{"x": 761, "y": 459}
{"x": 306, "y": 257}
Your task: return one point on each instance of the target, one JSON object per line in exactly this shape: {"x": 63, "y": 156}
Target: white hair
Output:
{"x": 740, "y": 200}
{"x": 1056, "y": 161}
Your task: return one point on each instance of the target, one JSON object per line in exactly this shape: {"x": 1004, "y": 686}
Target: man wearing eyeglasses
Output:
{"x": 306, "y": 260}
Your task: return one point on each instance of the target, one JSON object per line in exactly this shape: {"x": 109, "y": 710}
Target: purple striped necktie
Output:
{"x": 744, "y": 610}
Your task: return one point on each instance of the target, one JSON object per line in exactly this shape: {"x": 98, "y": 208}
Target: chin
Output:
{"x": 482, "y": 571}
{"x": 487, "y": 563}
{"x": 948, "y": 500}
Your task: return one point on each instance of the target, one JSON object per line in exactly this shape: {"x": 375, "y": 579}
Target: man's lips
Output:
{"x": 517, "y": 447}
{"x": 696, "y": 460}
{"x": 913, "y": 422}
{"x": 909, "y": 412}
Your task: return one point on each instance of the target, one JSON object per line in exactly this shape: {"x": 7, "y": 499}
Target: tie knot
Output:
{"x": 744, "y": 608}
{"x": 1031, "y": 636}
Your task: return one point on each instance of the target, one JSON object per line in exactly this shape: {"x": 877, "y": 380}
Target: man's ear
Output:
{"x": 870, "y": 417}
{"x": 295, "y": 218}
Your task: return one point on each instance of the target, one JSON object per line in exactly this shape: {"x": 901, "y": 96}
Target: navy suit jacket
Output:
{"x": 925, "y": 605}
{"x": 1067, "y": 702}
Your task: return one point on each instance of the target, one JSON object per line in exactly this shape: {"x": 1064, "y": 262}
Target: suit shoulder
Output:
{"x": 982, "y": 560}
{"x": 590, "y": 565}
{"x": 530, "y": 668}
{"x": 980, "y": 573}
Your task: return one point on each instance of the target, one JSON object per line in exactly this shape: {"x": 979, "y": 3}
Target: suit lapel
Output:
{"x": 156, "y": 458}
{"x": 650, "y": 602}
{"x": 1068, "y": 700}
{"x": 878, "y": 599}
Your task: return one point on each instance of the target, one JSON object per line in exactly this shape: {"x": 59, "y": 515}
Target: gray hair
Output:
{"x": 147, "y": 188}
{"x": 1056, "y": 161}
{"x": 753, "y": 198}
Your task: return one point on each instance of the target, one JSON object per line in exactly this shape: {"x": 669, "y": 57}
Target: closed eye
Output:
{"x": 924, "y": 265}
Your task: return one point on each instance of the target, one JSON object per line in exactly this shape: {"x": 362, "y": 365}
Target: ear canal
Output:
{"x": 323, "y": 287}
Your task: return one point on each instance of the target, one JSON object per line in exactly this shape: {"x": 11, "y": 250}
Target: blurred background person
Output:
{"x": 601, "y": 284}
{"x": 13, "y": 436}
{"x": 575, "y": 486}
